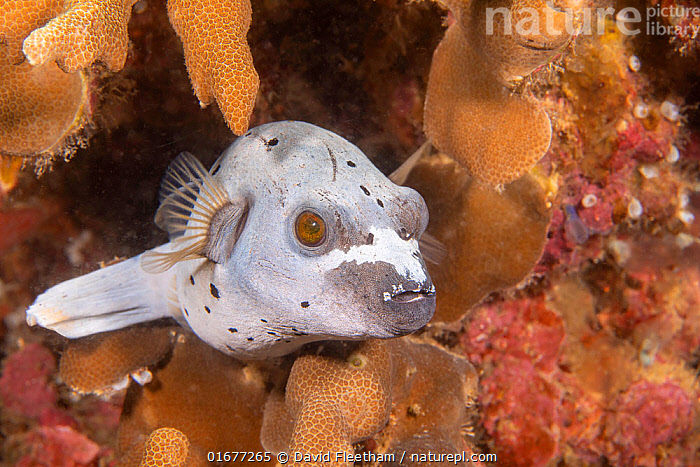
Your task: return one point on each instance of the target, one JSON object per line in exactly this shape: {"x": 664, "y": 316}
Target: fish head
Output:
{"x": 330, "y": 245}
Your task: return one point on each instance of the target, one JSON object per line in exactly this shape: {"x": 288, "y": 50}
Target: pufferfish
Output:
{"x": 293, "y": 236}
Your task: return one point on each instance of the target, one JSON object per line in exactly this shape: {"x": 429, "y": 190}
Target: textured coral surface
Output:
{"x": 18, "y": 19}
{"x": 218, "y": 58}
{"x": 41, "y": 107}
{"x": 86, "y": 31}
{"x": 591, "y": 359}
{"x": 96, "y": 364}
{"x": 345, "y": 393}
{"x": 473, "y": 116}
{"x": 213, "y": 401}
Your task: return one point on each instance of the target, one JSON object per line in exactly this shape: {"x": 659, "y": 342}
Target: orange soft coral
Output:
{"x": 346, "y": 392}
{"x": 42, "y": 110}
{"x": 213, "y": 400}
{"x": 166, "y": 447}
{"x": 87, "y": 31}
{"x": 78, "y": 33}
{"x": 334, "y": 400}
{"x": 98, "y": 364}
{"x": 470, "y": 113}
{"x": 20, "y": 17}
{"x": 217, "y": 55}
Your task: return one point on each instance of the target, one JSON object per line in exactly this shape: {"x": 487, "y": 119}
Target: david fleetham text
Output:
{"x": 338, "y": 457}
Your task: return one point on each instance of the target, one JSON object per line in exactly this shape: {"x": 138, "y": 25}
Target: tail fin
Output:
{"x": 107, "y": 299}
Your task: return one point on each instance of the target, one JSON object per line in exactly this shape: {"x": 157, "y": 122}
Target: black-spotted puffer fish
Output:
{"x": 293, "y": 236}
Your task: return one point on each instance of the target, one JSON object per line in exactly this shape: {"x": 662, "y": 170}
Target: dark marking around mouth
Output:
{"x": 214, "y": 291}
{"x": 366, "y": 286}
{"x": 351, "y": 164}
{"x": 191, "y": 280}
{"x": 365, "y": 190}
{"x": 207, "y": 309}
{"x": 304, "y": 304}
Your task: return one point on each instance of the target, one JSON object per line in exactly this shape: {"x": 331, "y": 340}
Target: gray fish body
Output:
{"x": 252, "y": 285}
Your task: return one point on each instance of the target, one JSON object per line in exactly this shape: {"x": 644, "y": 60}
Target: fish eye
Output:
{"x": 310, "y": 229}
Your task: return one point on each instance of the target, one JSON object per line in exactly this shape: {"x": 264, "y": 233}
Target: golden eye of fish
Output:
{"x": 310, "y": 229}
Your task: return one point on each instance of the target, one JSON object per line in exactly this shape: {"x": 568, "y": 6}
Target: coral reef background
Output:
{"x": 593, "y": 359}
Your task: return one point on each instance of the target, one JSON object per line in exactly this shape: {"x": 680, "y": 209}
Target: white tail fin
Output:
{"x": 107, "y": 299}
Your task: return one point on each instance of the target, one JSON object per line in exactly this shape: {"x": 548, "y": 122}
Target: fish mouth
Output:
{"x": 399, "y": 295}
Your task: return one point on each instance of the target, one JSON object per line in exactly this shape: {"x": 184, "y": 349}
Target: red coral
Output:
{"x": 636, "y": 143}
{"x": 525, "y": 329}
{"x": 647, "y": 415}
{"x": 57, "y": 446}
{"x": 519, "y": 342}
{"x": 24, "y": 385}
{"x": 520, "y": 412}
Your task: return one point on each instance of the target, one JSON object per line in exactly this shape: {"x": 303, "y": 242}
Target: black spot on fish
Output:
{"x": 230, "y": 348}
{"x": 207, "y": 309}
{"x": 216, "y": 169}
{"x": 263, "y": 320}
{"x": 295, "y": 330}
{"x": 370, "y": 238}
{"x": 191, "y": 280}
{"x": 272, "y": 333}
{"x": 351, "y": 164}
{"x": 271, "y": 143}
{"x": 214, "y": 291}
{"x": 379, "y": 202}
{"x": 278, "y": 339}
{"x": 304, "y": 304}
{"x": 365, "y": 190}
{"x": 186, "y": 312}
{"x": 232, "y": 330}
{"x": 287, "y": 341}
{"x": 250, "y": 339}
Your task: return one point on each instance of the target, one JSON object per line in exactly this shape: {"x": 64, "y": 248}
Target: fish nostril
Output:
{"x": 370, "y": 238}
{"x": 404, "y": 234}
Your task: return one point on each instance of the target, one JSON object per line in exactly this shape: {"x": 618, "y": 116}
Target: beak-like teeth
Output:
{"x": 400, "y": 295}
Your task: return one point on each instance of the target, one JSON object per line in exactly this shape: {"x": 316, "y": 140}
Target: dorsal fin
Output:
{"x": 193, "y": 209}
{"x": 400, "y": 175}
{"x": 432, "y": 249}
